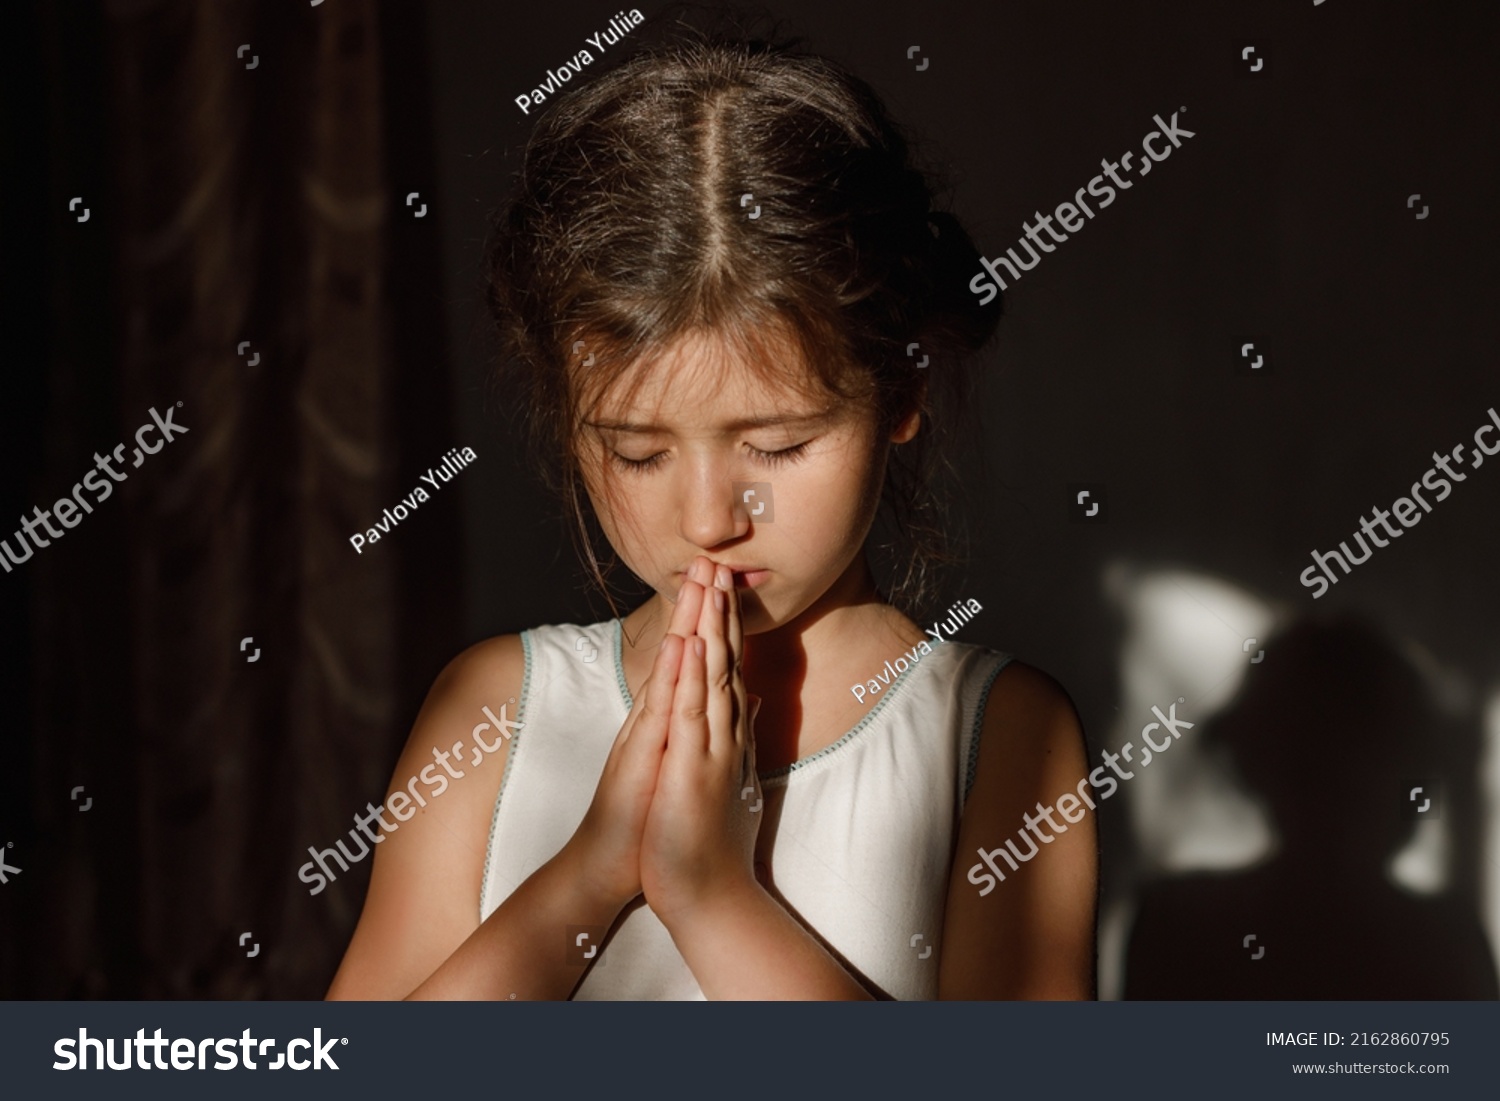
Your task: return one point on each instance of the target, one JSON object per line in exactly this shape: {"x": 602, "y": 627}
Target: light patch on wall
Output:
{"x": 1193, "y": 636}
{"x": 1489, "y": 799}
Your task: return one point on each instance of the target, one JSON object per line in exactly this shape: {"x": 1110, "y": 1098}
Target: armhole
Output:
{"x": 522, "y": 709}
{"x": 975, "y": 731}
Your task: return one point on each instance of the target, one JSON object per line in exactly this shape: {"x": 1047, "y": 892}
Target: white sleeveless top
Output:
{"x": 858, "y": 837}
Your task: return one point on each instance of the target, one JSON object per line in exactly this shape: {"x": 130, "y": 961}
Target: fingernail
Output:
{"x": 723, "y": 578}
{"x": 698, "y": 646}
{"x": 719, "y": 599}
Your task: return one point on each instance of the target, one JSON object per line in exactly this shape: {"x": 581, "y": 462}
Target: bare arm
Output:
{"x": 419, "y": 934}
{"x": 1030, "y": 936}
{"x": 745, "y": 946}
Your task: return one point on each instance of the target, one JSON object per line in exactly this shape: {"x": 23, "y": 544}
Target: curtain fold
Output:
{"x": 213, "y": 656}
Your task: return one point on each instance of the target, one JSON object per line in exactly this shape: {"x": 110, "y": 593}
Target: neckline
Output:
{"x": 785, "y": 771}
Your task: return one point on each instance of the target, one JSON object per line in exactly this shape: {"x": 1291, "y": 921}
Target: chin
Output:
{"x": 760, "y": 616}
{"x": 755, "y": 618}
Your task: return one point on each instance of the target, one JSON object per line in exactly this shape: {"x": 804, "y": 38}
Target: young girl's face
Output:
{"x": 668, "y": 466}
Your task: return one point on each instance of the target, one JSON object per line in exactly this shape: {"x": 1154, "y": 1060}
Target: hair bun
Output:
{"x": 955, "y": 260}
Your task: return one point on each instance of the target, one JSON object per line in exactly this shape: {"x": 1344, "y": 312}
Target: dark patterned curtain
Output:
{"x": 208, "y": 657}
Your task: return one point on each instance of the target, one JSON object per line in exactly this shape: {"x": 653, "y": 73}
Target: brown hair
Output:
{"x": 629, "y": 228}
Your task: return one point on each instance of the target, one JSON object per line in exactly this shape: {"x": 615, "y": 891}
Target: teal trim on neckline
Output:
{"x": 859, "y": 727}
{"x": 619, "y": 636}
{"x": 800, "y": 763}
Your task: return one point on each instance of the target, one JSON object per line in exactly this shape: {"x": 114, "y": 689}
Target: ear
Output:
{"x": 907, "y": 429}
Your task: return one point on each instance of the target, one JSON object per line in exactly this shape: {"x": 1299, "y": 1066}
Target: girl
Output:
{"x": 766, "y": 781}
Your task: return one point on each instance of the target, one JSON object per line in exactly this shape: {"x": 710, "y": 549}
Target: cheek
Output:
{"x": 840, "y": 501}
{"x": 628, "y": 512}
{"x": 610, "y": 500}
{"x": 862, "y": 477}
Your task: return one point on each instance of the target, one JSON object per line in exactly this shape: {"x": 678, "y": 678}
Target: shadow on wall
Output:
{"x": 1333, "y": 735}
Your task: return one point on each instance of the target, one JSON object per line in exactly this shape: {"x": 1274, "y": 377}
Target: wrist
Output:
{"x": 717, "y": 908}
{"x": 570, "y": 867}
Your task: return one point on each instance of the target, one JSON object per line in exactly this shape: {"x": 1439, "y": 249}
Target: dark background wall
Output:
{"x": 275, "y": 211}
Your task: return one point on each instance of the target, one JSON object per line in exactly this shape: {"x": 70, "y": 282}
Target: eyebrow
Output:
{"x": 732, "y": 426}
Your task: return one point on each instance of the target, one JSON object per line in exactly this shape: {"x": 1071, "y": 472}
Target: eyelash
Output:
{"x": 767, "y": 458}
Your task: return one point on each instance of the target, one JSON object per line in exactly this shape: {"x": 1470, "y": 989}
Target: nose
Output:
{"x": 708, "y": 516}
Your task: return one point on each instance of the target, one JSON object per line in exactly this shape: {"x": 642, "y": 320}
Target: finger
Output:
{"x": 735, "y": 640}
{"x": 711, "y": 627}
{"x": 684, "y": 619}
{"x": 652, "y": 715}
{"x": 717, "y": 667}
{"x": 689, "y": 705}
{"x": 638, "y": 698}
{"x": 688, "y": 609}
{"x": 750, "y": 770}
{"x": 701, "y": 573}
{"x": 735, "y": 631}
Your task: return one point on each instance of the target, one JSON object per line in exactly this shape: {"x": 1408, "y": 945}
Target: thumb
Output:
{"x": 755, "y": 702}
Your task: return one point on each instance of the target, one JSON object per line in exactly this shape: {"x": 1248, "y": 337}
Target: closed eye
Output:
{"x": 637, "y": 464}
{"x": 776, "y": 458}
{"x": 766, "y": 458}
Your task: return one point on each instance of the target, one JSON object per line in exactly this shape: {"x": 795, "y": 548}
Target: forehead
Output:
{"x": 702, "y": 378}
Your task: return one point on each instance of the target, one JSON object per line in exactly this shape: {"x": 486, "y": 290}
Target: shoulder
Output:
{"x": 494, "y": 670}
{"x": 1030, "y": 714}
{"x": 462, "y": 703}
{"x": 498, "y": 662}
{"x": 1026, "y": 687}
{"x": 1030, "y": 737}
{"x": 466, "y": 699}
